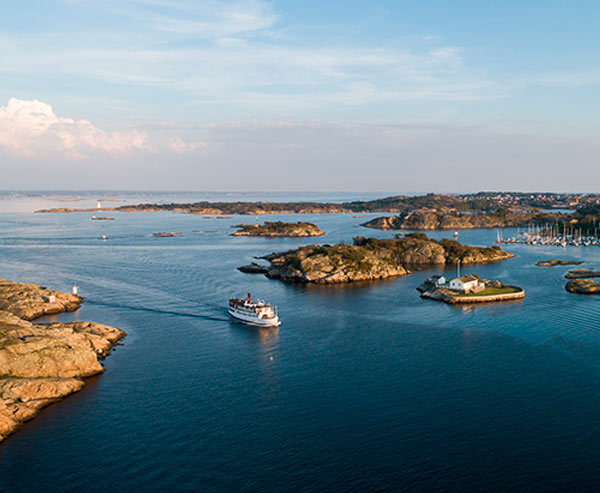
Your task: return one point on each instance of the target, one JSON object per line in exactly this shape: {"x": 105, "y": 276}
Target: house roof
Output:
{"x": 469, "y": 278}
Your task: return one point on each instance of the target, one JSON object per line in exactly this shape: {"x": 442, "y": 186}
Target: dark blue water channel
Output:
{"x": 362, "y": 387}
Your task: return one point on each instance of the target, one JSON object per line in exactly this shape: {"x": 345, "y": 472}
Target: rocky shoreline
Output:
{"x": 279, "y": 229}
{"x": 43, "y": 363}
{"x": 583, "y": 286}
{"x": 370, "y": 259}
{"x": 512, "y": 293}
{"x": 582, "y": 274}
{"x": 557, "y": 262}
{"x": 428, "y": 219}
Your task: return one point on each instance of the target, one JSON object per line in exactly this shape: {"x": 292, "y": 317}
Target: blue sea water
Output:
{"x": 363, "y": 386}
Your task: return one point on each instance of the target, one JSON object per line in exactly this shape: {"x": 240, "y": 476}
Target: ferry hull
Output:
{"x": 259, "y": 322}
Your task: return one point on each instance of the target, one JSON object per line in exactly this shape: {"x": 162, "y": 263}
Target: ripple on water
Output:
{"x": 364, "y": 386}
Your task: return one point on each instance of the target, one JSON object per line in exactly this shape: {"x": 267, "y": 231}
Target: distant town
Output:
{"x": 536, "y": 199}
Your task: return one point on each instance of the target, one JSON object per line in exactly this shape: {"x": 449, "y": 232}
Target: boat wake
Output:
{"x": 158, "y": 310}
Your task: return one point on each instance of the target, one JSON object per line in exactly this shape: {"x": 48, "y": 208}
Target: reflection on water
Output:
{"x": 267, "y": 336}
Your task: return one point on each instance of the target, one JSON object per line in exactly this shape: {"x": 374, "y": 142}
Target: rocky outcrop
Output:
{"x": 370, "y": 259}
{"x": 385, "y": 222}
{"x": 29, "y": 301}
{"x": 582, "y": 274}
{"x": 431, "y": 219}
{"x": 166, "y": 235}
{"x": 278, "y": 228}
{"x": 554, "y": 262}
{"x": 42, "y": 363}
{"x": 342, "y": 263}
{"x": 583, "y": 286}
{"x": 254, "y": 268}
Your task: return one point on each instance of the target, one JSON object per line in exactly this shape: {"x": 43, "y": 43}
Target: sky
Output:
{"x": 247, "y": 95}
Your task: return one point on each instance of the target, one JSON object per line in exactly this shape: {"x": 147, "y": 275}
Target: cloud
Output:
{"x": 30, "y": 128}
{"x": 203, "y": 20}
{"x": 181, "y": 147}
{"x": 244, "y": 58}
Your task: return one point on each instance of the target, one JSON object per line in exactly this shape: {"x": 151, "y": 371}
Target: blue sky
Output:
{"x": 411, "y": 96}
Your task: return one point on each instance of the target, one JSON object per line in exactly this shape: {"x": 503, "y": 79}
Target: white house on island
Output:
{"x": 466, "y": 284}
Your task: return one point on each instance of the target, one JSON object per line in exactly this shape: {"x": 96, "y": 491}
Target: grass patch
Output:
{"x": 490, "y": 291}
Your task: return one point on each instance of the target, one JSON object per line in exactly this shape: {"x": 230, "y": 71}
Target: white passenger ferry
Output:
{"x": 253, "y": 312}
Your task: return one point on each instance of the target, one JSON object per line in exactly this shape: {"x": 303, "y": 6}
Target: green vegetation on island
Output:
{"x": 278, "y": 228}
{"x": 388, "y": 204}
{"x": 370, "y": 258}
{"x": 428, "y": 219}
{"x": 483, "y": 291}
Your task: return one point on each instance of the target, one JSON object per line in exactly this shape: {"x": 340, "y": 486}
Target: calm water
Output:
{"x": 362, "y": 386}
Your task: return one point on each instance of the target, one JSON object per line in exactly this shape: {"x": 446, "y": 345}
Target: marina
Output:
{"x": 552, "y": 235}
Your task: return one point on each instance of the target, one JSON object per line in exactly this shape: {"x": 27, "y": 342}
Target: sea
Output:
{"x": 363, "y": 387}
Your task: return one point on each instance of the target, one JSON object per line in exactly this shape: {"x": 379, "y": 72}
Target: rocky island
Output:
{"x": 43, "y": 363}
{"x": 166, "y": 235}
{"x": 278, "y": 228}
{"x": 433, "y": 219}
{"x": 582, "y": 274}
{"x": 482, "y": 290}
{"x": 554, "y": 262}
{"x": 369, "y": 259}
{"x": 583, "y": 286}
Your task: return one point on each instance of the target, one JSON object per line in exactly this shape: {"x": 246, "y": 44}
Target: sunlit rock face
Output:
{"x": 40, "y": 364}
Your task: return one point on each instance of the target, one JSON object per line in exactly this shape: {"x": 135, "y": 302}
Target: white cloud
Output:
{"x": 240, "y": 59}
{"x": 181, "y": 147}
{"x": 205, "y": 19}
{"x": 226, "y": 53}
{"x": 30, "y": 128}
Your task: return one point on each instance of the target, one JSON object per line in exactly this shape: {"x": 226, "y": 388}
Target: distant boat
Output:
{"x": 253, "y": 312}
